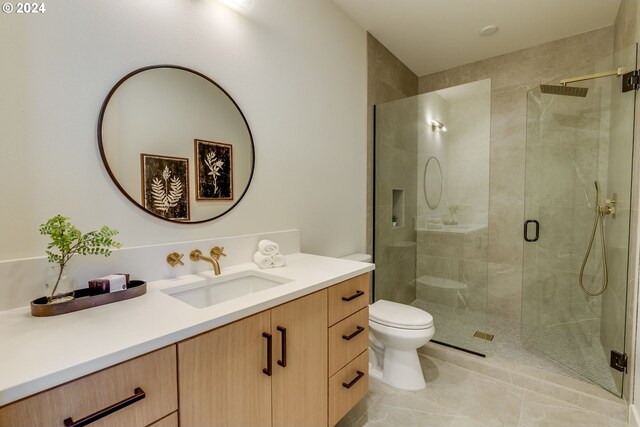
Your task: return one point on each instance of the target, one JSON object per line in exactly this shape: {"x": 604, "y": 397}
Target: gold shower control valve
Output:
{"x": 609, "y": 207}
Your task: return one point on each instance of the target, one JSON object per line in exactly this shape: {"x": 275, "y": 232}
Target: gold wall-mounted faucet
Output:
{"x": 216, "y": 252}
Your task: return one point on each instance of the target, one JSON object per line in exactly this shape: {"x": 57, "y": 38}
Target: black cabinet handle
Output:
{"x": 353, "y": 381}
{"x": 138, "y": 394}
{"x": 267, "y": 370}
{"x": 354, "y": 296}
{"x": 526, "y": 229}
{"x": 283, "y": 362}
{"x": 353, "y": 334}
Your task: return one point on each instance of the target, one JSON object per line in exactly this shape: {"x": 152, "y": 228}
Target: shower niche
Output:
{"x": 397, "y": 208}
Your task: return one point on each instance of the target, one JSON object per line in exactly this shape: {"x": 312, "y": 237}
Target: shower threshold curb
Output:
{"x": 569, "y": 390}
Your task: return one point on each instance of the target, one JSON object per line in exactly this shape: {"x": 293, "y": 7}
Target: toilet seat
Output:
{"x": 399, "y": 316}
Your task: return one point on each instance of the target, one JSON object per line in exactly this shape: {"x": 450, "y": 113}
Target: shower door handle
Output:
{"x": 526, "y": 230}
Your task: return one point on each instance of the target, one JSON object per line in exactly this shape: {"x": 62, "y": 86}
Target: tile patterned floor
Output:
{"x": 565, "y": 354}
{"x": 457, "y": 397}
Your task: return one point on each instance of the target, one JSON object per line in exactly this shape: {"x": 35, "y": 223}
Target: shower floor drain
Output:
{"x": 483, "y": 335}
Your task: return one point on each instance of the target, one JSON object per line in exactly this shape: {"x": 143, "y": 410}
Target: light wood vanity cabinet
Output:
{"x": 303, "y": 363}
{"x": 269, "y": 369}
{"x": 348, "y": 321}
{"x": 224, "y": 374}
{"x": 168, "y": 421}
{"x": 221, "y": 377}
{"x": 153, "y": 374}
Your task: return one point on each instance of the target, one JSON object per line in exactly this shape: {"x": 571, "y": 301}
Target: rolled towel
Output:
{"x": 262, "y": 260}
{"x": 267, "y": 247}
{"x": 278, "y": 260}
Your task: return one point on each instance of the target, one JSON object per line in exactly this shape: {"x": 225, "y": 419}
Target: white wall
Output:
{"x": 297, "y": 69}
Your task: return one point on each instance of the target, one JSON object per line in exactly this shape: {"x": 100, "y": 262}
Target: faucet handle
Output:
{"x": 217, "y": 252}
{"x": 174, "y": 258}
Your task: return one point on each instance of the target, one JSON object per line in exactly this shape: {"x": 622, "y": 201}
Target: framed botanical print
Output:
{"x": 165, "y": 185}
{"x": 214, "y": 170}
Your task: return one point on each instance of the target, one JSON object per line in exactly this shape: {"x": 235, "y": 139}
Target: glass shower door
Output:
{"x": 432, "y": 207}
{"x": 574, "y": 142}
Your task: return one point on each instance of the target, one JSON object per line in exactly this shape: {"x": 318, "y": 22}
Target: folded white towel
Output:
{"x": 267, "y": 247}
{"x": 278, "y": 260}
{"x": 262, "y": 260}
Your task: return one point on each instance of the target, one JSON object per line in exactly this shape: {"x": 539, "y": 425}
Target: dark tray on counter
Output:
{"x": 82, "y": 300}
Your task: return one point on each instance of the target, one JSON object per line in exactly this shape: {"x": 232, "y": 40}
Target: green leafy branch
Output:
{"x": 67, "y": 241}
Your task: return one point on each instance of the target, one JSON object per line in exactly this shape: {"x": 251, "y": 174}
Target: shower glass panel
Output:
{"x": 431, "y": 208}
{"x": 572, "y": 143}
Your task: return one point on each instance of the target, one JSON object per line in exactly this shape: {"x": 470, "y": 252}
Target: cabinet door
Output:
{"x": 221, "y": 382}
{"x": 300, "y": 388}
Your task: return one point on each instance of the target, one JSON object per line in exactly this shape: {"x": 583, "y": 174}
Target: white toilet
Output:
{"x": 395, "y": 333}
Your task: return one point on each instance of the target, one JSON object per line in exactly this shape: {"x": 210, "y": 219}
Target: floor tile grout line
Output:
{"x": 429, "y": 413}
{"x": 524, "y": 395}
{"x": 426, "y": 412}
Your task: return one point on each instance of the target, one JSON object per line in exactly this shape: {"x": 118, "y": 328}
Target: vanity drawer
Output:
{"x": 348, "y": 297}
{"x": 347, "y": 387}
{"x": 347, "y": 339}
{"x": 154, "y": 374}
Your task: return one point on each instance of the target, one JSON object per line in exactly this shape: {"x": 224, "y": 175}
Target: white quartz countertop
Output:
{"x": 39, "y": 353}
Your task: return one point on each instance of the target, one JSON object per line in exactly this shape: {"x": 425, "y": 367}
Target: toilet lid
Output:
{"x": 399, "y": 315}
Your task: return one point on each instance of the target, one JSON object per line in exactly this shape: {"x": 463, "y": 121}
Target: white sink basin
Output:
{"x": 221, "y": 289}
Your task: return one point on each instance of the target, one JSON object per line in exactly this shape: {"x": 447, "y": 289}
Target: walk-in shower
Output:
{"x": 438, "y": 241}
{"x": 575, "y": 275}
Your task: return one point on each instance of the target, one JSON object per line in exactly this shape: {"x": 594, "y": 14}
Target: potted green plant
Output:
{"x": 453, "y": 210}
{"x": 67, "y": 241}
{"x": 394, "y": 220}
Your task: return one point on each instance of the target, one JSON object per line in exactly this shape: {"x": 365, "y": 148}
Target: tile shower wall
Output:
{"x": 463, "y": 154}
{"x": 396, "y": 153}
{"x": 512, "y": 75}
{"x": 388, "y": 80}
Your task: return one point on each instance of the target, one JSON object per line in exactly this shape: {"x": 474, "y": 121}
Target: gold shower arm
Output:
{"x": 617, "y": 72}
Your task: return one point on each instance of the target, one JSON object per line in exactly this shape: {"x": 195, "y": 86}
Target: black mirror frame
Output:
{"x": 115, "y": 180}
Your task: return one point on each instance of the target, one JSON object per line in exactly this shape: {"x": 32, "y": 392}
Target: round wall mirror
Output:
{"x": 176, "y": 144}
{"x": 433, "y": 182}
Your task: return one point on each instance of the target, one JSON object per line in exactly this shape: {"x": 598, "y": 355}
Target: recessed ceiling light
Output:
{"x": 489, "y": 30}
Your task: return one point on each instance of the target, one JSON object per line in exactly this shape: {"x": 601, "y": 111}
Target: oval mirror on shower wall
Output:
{"x": 176, "y": 144}
{"x": 433, "y": 182}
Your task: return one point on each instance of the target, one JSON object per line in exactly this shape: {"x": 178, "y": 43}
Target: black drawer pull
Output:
{"x": 283, "y": 362}
{"x": 267, "y": 370}
{"x": 353, "y": 334}
{"x": 354, "y": 296}
{"x": 353, "y": 381}
{"x": 138, "y": 394}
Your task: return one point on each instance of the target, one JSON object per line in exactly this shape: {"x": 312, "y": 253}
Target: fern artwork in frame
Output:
{"x": 165, "y": 186}
{"x": 214, "y": 174}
